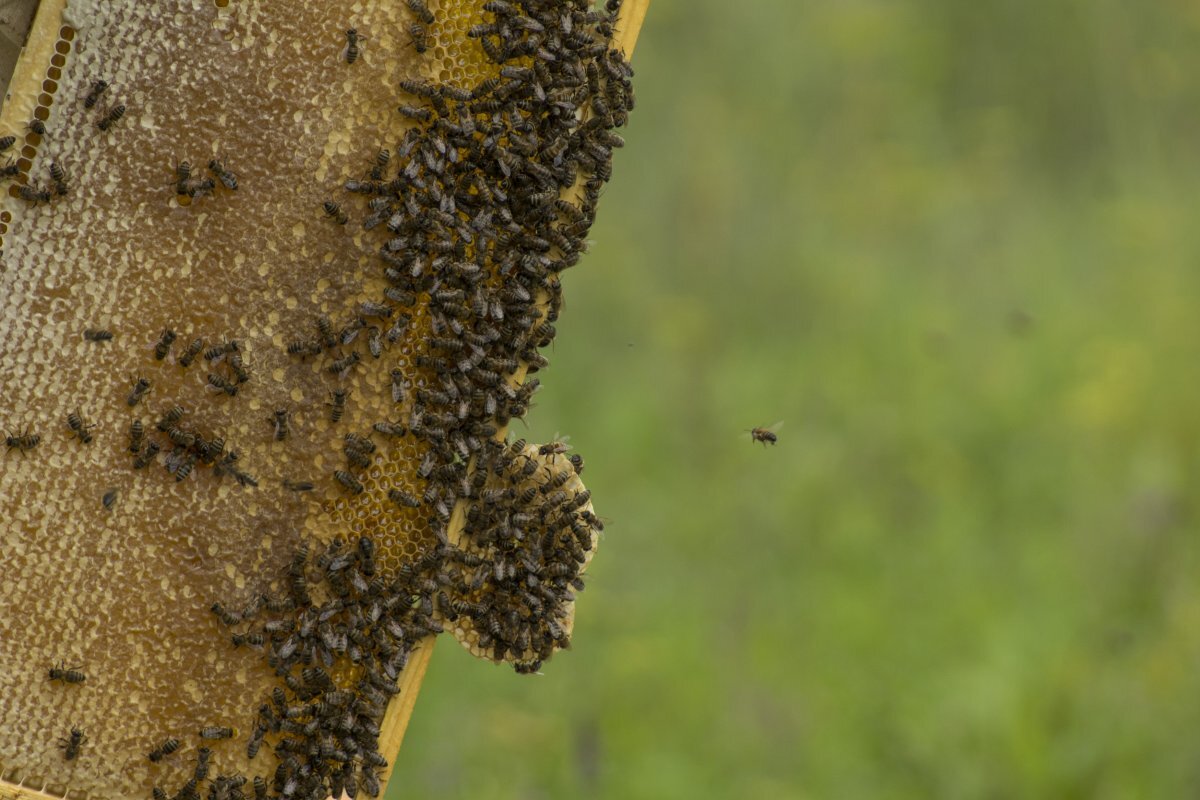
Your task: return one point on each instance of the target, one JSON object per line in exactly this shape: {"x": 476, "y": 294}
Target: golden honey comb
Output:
{"x": 265, "y": 87}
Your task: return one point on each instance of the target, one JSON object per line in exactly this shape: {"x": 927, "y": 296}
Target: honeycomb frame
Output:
{"x": 46, "y": 43}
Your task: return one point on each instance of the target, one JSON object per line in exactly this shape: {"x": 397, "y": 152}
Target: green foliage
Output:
{"x": 952, "y": 244}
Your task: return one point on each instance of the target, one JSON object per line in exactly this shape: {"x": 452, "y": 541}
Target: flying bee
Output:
{"x": 112, "y": 117}
{"x": 421, "y": 10}
{"x": 334, "y": 211}
{"x": 137, "y": 434}
{"x": 221, "y": 384}
{"x": 97, "y": 335}
{"x": 109, "y": 499}
{"x": 766, "y": 435}
{"x": 146, "y": 457}
{"x": 93, "y": 95}
{"x": 553, "y": 448}
{"x": 338, "y": 405}
{"x": 403, "y": 498}
{"x": 352, "y": 39}
{"x": 192, "y": 351}
{"x": 173, "y": 415}
{"x": 79, "y": 427}
{"x": 71, "y": 745}
{"x": 163, "y": 346}
{"x": 140, "y": 387}
{"x": 163, "y": 750}
{"x": 298, "y": 486}
{"x": 214, "y": 732}
{"x": 66, "y": 675}
{"x": 227, "y": 178}
{"x": 419, "y": 36}
{"x": 347, "y": 480}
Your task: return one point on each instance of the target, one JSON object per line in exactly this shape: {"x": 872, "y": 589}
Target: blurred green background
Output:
{"x": 954, "y": 245}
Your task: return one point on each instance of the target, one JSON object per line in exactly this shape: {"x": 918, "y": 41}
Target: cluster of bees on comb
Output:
{"x": 478, "y": 229}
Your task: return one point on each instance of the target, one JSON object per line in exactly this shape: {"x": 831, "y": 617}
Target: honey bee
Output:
{"x": 280, "y": 420}
{"x": 137, "y": 434}
{"x": 10, "y": 169}
{"x": 421, "y": 10}
{"x": 390, "y": 428}
{"x": 325, "y": 328}
{"x": 352, "y": 39}
{"x": 303, "y": 348}
{"x": 192, "y": 351}
{"x": 381, "y": 161}
{"x": 34, "y": 193}
{"x": 419, "y": 36}
{"x": 112, "y": 117}
{"x": 185, "y": 467}
{"x": 163, "y": 345}
{"x": 375, "y": 342}
{"x": 766, "y": 435}
{"x": 79, "y": 427}
{"x": 59, "y": 176}
{"x": 7, "y": 142}
{"x": 71, "y": 745}
{"x": 173, "y": 415}
{"x": 576, "y": 462}
{"x": 372, "y": 309}
{"x": 140, "y": 387}
{"x": 344, "y": 364}
{"x": 163, "y": 750}
{"x": 202, "y": 759}
{"x": 37, "y": 126}
{"x": 403, "y": 498}
{"x": 418, "y": 113}
{"x": 66, "y": 675}
{"x": 553, "y": 448}
{"x": 347, "y": 480}
{"x": 93, "y": 95}
{"x": 297, "y": 486}
{"x": 146, "y": 457}
{"x": 109, "y": 499}
{"x": 221, "y": 384}
{"x": 248, "y": 639}
{"x": 227, "y": 178}
{"x": 215, "y": 732}
{"x": 338, "y": 405}
{"x": 334, "y": 211}
{"x": 97, "y": 335}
